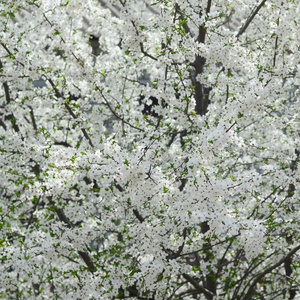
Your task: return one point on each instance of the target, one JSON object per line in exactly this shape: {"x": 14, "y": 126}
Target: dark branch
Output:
{"x": 198, "y": 287}
{"x": 269, "y": 270}
{"x": 3, "y": 124}
{"x": 83, "y": 254}
{"x": 208, "y": 7}
{"x": 5, "y": 86}
{"x": 146, "y": 53}
{"x": 201, "y": 93}
{"x": 86, "y": 258}
{"x": 114, "y": 113}
{"x": 62, "y": 143}
{"x": 33, "y": 118}
{"x": 249, "y": 20}
{"x": 184, "y": 25}
{"x": 138, "y": 216}
{"x": 59, "y": 95}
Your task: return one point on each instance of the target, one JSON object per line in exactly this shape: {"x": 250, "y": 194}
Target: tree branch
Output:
{"x": 114, "y": 113}
{"x": 146, "y": 53}
{"x": 269, "y": 270}
{"x": 198, "y": 287}
{"x": 59, "y": 95}
{"x": 249, "y": 20}
{"x": 138, "y": 216}
{"x": 201, "y": 93}
{"x": 184, "y": 25}
{"x": 8, "y": 100}
{"x": 33, "y": 118}
{"x": 83, "y": 254}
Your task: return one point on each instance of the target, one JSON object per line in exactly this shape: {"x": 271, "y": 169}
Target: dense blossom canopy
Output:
{"x": 149, "y": 155}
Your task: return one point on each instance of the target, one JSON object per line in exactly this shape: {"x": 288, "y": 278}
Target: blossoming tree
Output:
{"x": 161, "y": 163}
